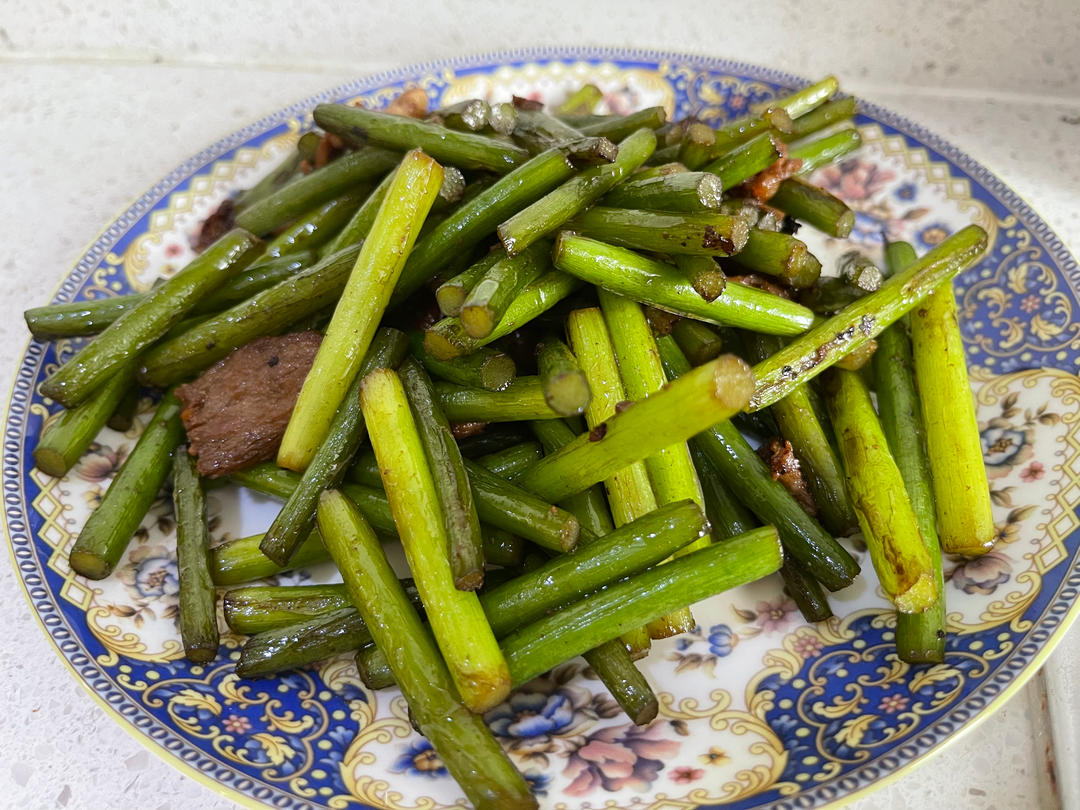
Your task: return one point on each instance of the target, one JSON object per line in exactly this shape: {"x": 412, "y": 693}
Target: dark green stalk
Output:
{"x": 471, "y": 222}
{"x": 807, "y": 98}
{"x": 582, "y": 101}
{"x": 799, "y": 424}
{"x": 727, "y": 515}
{"x": 470, "y": 115}
{"x": 465, "y": 150}
{"x": 806, "y": 591}
{"x": 493, "y": 439}
{"x": 704, "y": 274}
{"x": 512, "y": 461}
{"x": 302, "y": 644}
{"x": 123, "y": 416}
{"x": 816, "y": 120}
{"x": 660, "y": 285}
{"x": 502, "y": 548}
{"x": 265, "y": 313}
{"x": 537, "y": 131}
{"x": 900, "y": 553}
{"x": 84, "y": 318}
{"x": 484, "y": 368}
{"x": 697, "y": 146}
{"x": 447, "y": 338}
{"x": 66, "y": 438}
{"x": 361, "y": 307}
{"x": 807, "y": 356}
{"x": 698, "y": 342}
{"x": 546, "y": 214}
{"x": 356, "y": 229}
{"x": 316, "y": 227}
{"x": 197, "y": 598}
{"x": 270, "y": 479}
{"x": 327, "y": 182}
{"x": 513, "y": 509}
{"x": 281, "y": 175}
{"x": 920, "y": 637}
{"x": 347, "y": 432}
{"x": 814, "y": 206}
{"x": 452, "y": 487}
{"x": 591, "y": 506}
{"x": 685, "y": 192}
{"x": 611, "y": 660}
{"x": 522, "y": 400}
{"x": 259, "y": 608}
{"x": 781, "y": 255}
{"x": 565, "y": 388}
{"x": 502, "y": 118}
{"x": 163, "y": 306}
{"x": 771, "y": 120}
{"x": 374, "y": 668}
{"x": 499, "y": 504}
{"x": 239, "y": 560}
{"x": 562, "y": 580}
{"x": 451, "y": 294}
{"x": 709, "y": 234}
{"x": 745, "y": 160}
{"x": 618, "y": 127}
{"x": 106, "y": 534}
{"x": 463, "y": 742}
{"x": 602, "y": 616}
{"x": 825, "y": 150}
{"x": 500, "y": 284}
{"x": 750, "y": 480}
{"x": 469, "y": 648}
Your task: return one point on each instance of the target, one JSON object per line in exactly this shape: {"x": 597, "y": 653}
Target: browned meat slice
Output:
{"x": 236, "y": 412}
{"x": 785, "y": 468}
{"x": 413, "y": 103}
{"x": 215, "y": 226}
{"x": 761, "y": 283}
{"x": 763, "y": 185}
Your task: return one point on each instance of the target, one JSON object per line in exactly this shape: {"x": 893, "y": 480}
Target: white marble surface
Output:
{"x": 102, "y": 98}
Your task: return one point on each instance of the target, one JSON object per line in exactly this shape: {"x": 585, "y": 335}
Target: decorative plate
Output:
{"x": 757, "y": 708}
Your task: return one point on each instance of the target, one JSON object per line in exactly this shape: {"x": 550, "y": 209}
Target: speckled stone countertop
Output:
{"x": 100, "y": 99}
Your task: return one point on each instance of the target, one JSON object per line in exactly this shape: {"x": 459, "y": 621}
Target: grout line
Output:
{"x": 137, "y": 58}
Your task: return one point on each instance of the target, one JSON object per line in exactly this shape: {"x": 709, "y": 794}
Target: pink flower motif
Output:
{"x": 776, "y": 616}
{"x": 808, "y": 646}
{"x": 1033, "y": 472}
{"x": 686, "y": 774}
{"x": 99, "y": 462}
{"x": 737, "y": 102}
{"x": 619, "y": 758}
{"x": 1031, "y": 303}
{"x": 853, "y": 180}
{"x": 982, "y": 575}
{"x": 891, "y": 704}
{"x": 173, "y": 250}
{"x": 237, "y": 724}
